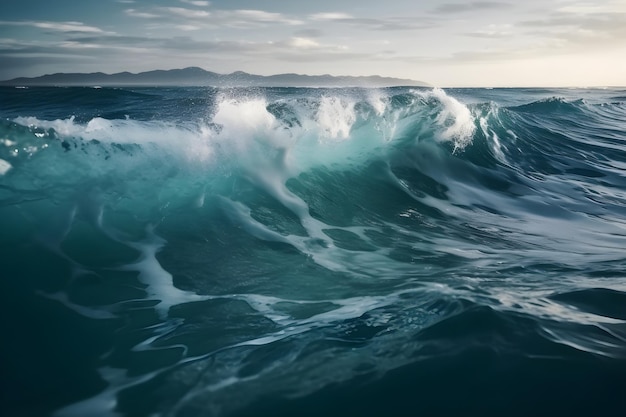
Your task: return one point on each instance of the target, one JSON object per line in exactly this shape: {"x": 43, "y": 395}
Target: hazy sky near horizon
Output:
{"x": 445, "y": 43}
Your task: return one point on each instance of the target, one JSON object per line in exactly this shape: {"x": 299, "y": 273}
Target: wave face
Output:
{"x": 188, "y": 251}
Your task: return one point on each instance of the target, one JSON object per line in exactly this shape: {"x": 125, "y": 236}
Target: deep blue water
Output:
{"x": 280, "y": 252}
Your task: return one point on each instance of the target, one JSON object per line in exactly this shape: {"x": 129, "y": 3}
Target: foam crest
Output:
{"x": 454, "y": 118}
{"x": 187, "y": 141}
{"x": 274, "y": 139}
{"x": 335, "y": 117}
{"x": 241, "y": 119}
{"x": 63, "y": 127}
{"x": 5, "y": 166}
{"x": 378, "y": 101}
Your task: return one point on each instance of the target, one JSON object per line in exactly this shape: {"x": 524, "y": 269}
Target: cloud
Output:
{"x": 595, "y": 21}
{"x": 493, "y": 31}
{"x": 487, "y": 55}
{"x": 566, "y": 31}
{"x": 186, "y": 13}
{"x": 310, "y": 45}
{"x": 141, "y": 15}
{"x": 381, "y": 24}
{"x": 607, "y": 6}
{"x": 394, "y": 23}
{"x": 8, "y": 44}
{"x": 187, "y": 28}
{"x": 32, "y": 53}
{"x": 304, "y": 43}
{"x": 66, "y": 27}
{"x": 558, "y": 34}
{"x": 472, "y": 6}
{"x": 309, "y": 33}
{"x": 188, "y": 44}
{"x": 14, "y": 46}
{"x": 243, "y": 18}
{"x": 107, "y": 47}
{"x": 330, "y": 16}
{"x": 198, "y": 3}
{"x": 79, "y": 45}
{"x": 488, "y": 34}
{"x": 196, "y": 18}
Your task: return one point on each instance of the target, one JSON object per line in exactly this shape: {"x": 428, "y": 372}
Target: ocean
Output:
{"x": 312, "y": 252}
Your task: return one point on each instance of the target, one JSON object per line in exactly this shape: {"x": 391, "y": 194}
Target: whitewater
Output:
{"x": 296, "y": 251}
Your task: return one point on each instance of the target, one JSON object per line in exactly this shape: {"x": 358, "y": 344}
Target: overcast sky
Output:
{"x": 455, "y": 43}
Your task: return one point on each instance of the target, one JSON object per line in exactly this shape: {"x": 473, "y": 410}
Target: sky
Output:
{"x": 501, "y": 43}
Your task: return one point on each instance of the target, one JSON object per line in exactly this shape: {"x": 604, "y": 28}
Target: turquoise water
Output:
{"x": 243, "y": 252}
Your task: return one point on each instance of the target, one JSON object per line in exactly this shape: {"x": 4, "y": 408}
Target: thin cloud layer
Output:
{"x": 391, "y": 23}
{"x": 472, "y": 6}
{"x": 66, "y": 27}
{"x": 213, "y": 18}
{"x": 196, "y": 3}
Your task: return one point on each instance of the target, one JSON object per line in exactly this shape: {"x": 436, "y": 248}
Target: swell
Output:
{"x": 505, "y": 355}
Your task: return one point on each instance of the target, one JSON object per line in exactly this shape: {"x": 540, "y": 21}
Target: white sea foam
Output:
{"x": 5, "y": 166}
{"x": 335, "y": 117}
{"x": 178, "y": 140}
{"x": 378, "y": 101}
{"x": 159, "y": 282}
{"x": 455, "y": 119}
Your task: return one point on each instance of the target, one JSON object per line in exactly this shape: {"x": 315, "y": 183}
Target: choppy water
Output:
{"x": 201, "y": 252}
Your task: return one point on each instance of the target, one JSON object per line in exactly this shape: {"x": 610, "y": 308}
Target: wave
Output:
{"x": 551, "y": 105}
{"x": 241, "y": 250}
{"x": 423, "y": 152}
{"x": 422, "y": 147}
{"x": 243, "y": 134}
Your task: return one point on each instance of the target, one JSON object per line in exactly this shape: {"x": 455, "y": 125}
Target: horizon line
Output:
{"x": 430, "y": 85}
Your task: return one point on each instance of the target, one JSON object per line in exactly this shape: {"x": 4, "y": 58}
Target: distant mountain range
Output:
{"x": 194, "y": 76}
